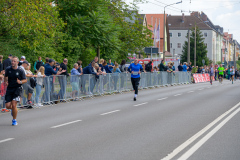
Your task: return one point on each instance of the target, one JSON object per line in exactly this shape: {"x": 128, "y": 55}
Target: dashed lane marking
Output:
{"x": 177, "y": 95}
{"x": 140, "y": 104}
{"x": 162, "y": 99}
{"x": 109, "y": 112}
{"x": 64, "y": 124}
{"x": 5, "y": 140}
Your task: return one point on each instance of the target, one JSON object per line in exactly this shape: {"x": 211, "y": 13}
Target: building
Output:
{"x": 178, "y": 31}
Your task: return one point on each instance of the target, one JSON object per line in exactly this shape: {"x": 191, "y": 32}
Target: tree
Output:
{"x": 201, "y": 48}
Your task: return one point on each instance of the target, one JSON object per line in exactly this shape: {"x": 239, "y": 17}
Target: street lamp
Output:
{"x": 195, "y": 42}
{"x": 165, "y": 29}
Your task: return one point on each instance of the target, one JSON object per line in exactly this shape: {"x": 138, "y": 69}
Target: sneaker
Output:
{"x": 29, "y": 102}
{"x": 134, "y": 99}
{"x": 14, "y": 122}
{"x": 39, "y": 105}
{"x": 5, "y": 110}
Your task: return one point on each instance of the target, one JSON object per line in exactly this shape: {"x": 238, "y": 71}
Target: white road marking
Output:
{"x": 66, "y": 124}
{"x": 177, "y": 95}
{"x": 5, "y": 140}
{"x": 190, "y": 92}
{"x": 162, "y": 98}
{"x": 109, "y": 112}
{"x": 140, "y": 104}
{"x": 208, "y": 136}
{"x": 197, "y": 135}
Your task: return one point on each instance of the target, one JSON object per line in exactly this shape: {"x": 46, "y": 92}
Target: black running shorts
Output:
{"x": 13, "y": 94}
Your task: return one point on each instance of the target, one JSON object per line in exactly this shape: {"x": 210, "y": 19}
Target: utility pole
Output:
{"x": 188, "y": 55}
{"x": 195, "y": 46}
{"x": 234, "y": 58}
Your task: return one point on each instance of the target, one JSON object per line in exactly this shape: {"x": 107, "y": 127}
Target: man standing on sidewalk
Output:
{"x": 14, "y": 78}
{"x": 63, "y": 79}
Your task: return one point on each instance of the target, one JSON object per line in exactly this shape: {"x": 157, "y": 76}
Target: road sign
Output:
{"x": 151, "y": 50}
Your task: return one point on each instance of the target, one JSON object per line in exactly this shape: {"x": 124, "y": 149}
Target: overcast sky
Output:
{"x": 225, "y": 13}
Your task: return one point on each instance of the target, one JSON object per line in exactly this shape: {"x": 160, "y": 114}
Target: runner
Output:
{"x": 135, "y": 70}
{"x": 14, "y": 78}
{"x": 220, "y": 70}
{"x": 211, "y": 73}
{"x": 232, "y": 72}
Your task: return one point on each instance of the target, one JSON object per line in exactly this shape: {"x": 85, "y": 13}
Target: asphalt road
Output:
{"x": 195, "y": 121}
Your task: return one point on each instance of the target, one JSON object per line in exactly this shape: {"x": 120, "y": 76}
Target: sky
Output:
{"x": 225, "y": 13}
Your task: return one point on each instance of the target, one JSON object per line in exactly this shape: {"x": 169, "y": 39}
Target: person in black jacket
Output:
{"x": 162, "y": 66}
{"x": 180, "y": 67}
{"x": 63, "y": 79}
{"x": 7, "y": 62}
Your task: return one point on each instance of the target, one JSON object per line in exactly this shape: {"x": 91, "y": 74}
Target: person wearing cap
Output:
{"x": 48, "y": 72}
{"x": 23, "y": 58}
{"x": 7, "y": 62}
{"x": 38, "y": 64}
{"x": 27, "y": 89}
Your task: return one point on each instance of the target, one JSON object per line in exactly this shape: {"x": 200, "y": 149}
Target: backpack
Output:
{"x": 148, "y": 67}
{"x": 122, "y": 68}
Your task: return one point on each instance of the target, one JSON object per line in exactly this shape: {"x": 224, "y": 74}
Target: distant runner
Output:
{"x": 211, "y": 73}
{"x": 220, "y": 70}
{"x": 135, "y": 70}
{"x": 14, "y": 78}
{"x": 232, "y": 72}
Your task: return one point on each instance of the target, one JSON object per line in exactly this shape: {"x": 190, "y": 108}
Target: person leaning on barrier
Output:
{"x": 89, "y": 70}
{"x": 80, "y": 67}
{"x": 162, "y": 66}
{"x": 74, "y": 79}
{"x": 62, "y": 79}
{"x": 106, "y": 67}
{"x": 101, "y": 64}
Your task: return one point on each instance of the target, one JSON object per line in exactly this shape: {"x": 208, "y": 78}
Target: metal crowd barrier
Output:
{"x": 65, "y": 88}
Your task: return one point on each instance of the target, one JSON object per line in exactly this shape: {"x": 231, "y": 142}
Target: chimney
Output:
{"x": 182, "y": 17}
{"x": 204, "y": 17}
{"x": 195, "y": 13}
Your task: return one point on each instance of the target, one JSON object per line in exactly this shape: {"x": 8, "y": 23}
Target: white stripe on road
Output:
{"x": 66, "y": 124}
{"x": 109, "y": 112}
{"x": 208, "y": 136}
{"x": 197, "y": 135}
{"x": 140, "y": 104}
{"x": 177, "y": 95}
{"x": 5, "y": 140}
{"x": 190, "y": 92}
{"x": 162, "y": 98}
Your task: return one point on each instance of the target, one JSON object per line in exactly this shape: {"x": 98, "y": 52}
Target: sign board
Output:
{"x": 151, "y": 50}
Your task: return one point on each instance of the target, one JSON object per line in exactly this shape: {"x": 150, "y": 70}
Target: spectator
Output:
{"x": 106, "y": 68}
{"x": 1, "y": 65}
{"x": 162, "y": 66}
{"x": 116, "y": 72}
{"x": 80, "y": 67}
{"x": 189, "y": 67}
{"x": 46, "y": 61}
{"x": 23, "y": 58}
{"x": 27, "y": 89}
{"x": 95, "y": 60}
{"x": 101, "y": 64}
{"x": 149, "y": 67}
{"x": 63, "y": 80}
{"x": 199, "y": 70}
{"x": 123, "y": 66}
{"x": 110, "y": 65}
{"x": 180, "y": 67}
{"x": 173, "y": 67}
{"x": 38, "y": 64}
{"x": 88, "y": 70}
{"x": 184, "y": 67}
{"x": 74, "y": 79}
{"x": 40, "y": 78}
{"x": 7, "y": 62}
{"x": 48, "y": 83}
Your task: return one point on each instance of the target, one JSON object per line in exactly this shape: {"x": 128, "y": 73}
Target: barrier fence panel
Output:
{"x": 115, "y": 82}
{"x": 58, "y": 87}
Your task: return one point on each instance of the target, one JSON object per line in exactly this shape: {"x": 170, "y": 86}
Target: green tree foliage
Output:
{"x": 201, "y": 50}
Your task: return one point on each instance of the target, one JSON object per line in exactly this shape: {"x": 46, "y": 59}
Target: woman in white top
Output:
{"x": 40, "y": 76}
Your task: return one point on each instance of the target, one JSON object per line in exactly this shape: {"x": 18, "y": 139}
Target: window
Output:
{"x": 170, "y": 34}
{"x": 170, "y": 45}
{"x": 179, "y": 34}
{"x": 205, "y": 34}
{"x": 206, "y": 44}
{"x": 179, "y": 45}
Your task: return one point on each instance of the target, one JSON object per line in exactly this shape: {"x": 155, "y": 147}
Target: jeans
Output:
{"x": 38, "y": 92}
{"x": 63, "y": 84}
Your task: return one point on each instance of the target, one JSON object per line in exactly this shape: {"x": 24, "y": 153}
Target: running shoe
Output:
{"x": 14, "y": 122}
{"x": 5, "y": 110}
{"x": 134, "y": 99}
{"x": 29, "y": 102}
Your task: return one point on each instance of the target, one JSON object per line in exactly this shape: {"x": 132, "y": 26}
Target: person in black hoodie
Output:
{"x": 7, "y": 62}
{"x": 180, "y": 67}
{"x": 63, "y": 79}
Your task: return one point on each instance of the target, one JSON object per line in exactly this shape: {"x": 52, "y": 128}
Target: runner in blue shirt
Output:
{"x": 135, "y": 70}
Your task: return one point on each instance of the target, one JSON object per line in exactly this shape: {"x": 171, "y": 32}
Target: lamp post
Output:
{"x": 195, "y": 42}
{"x": 165, "y": 29}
